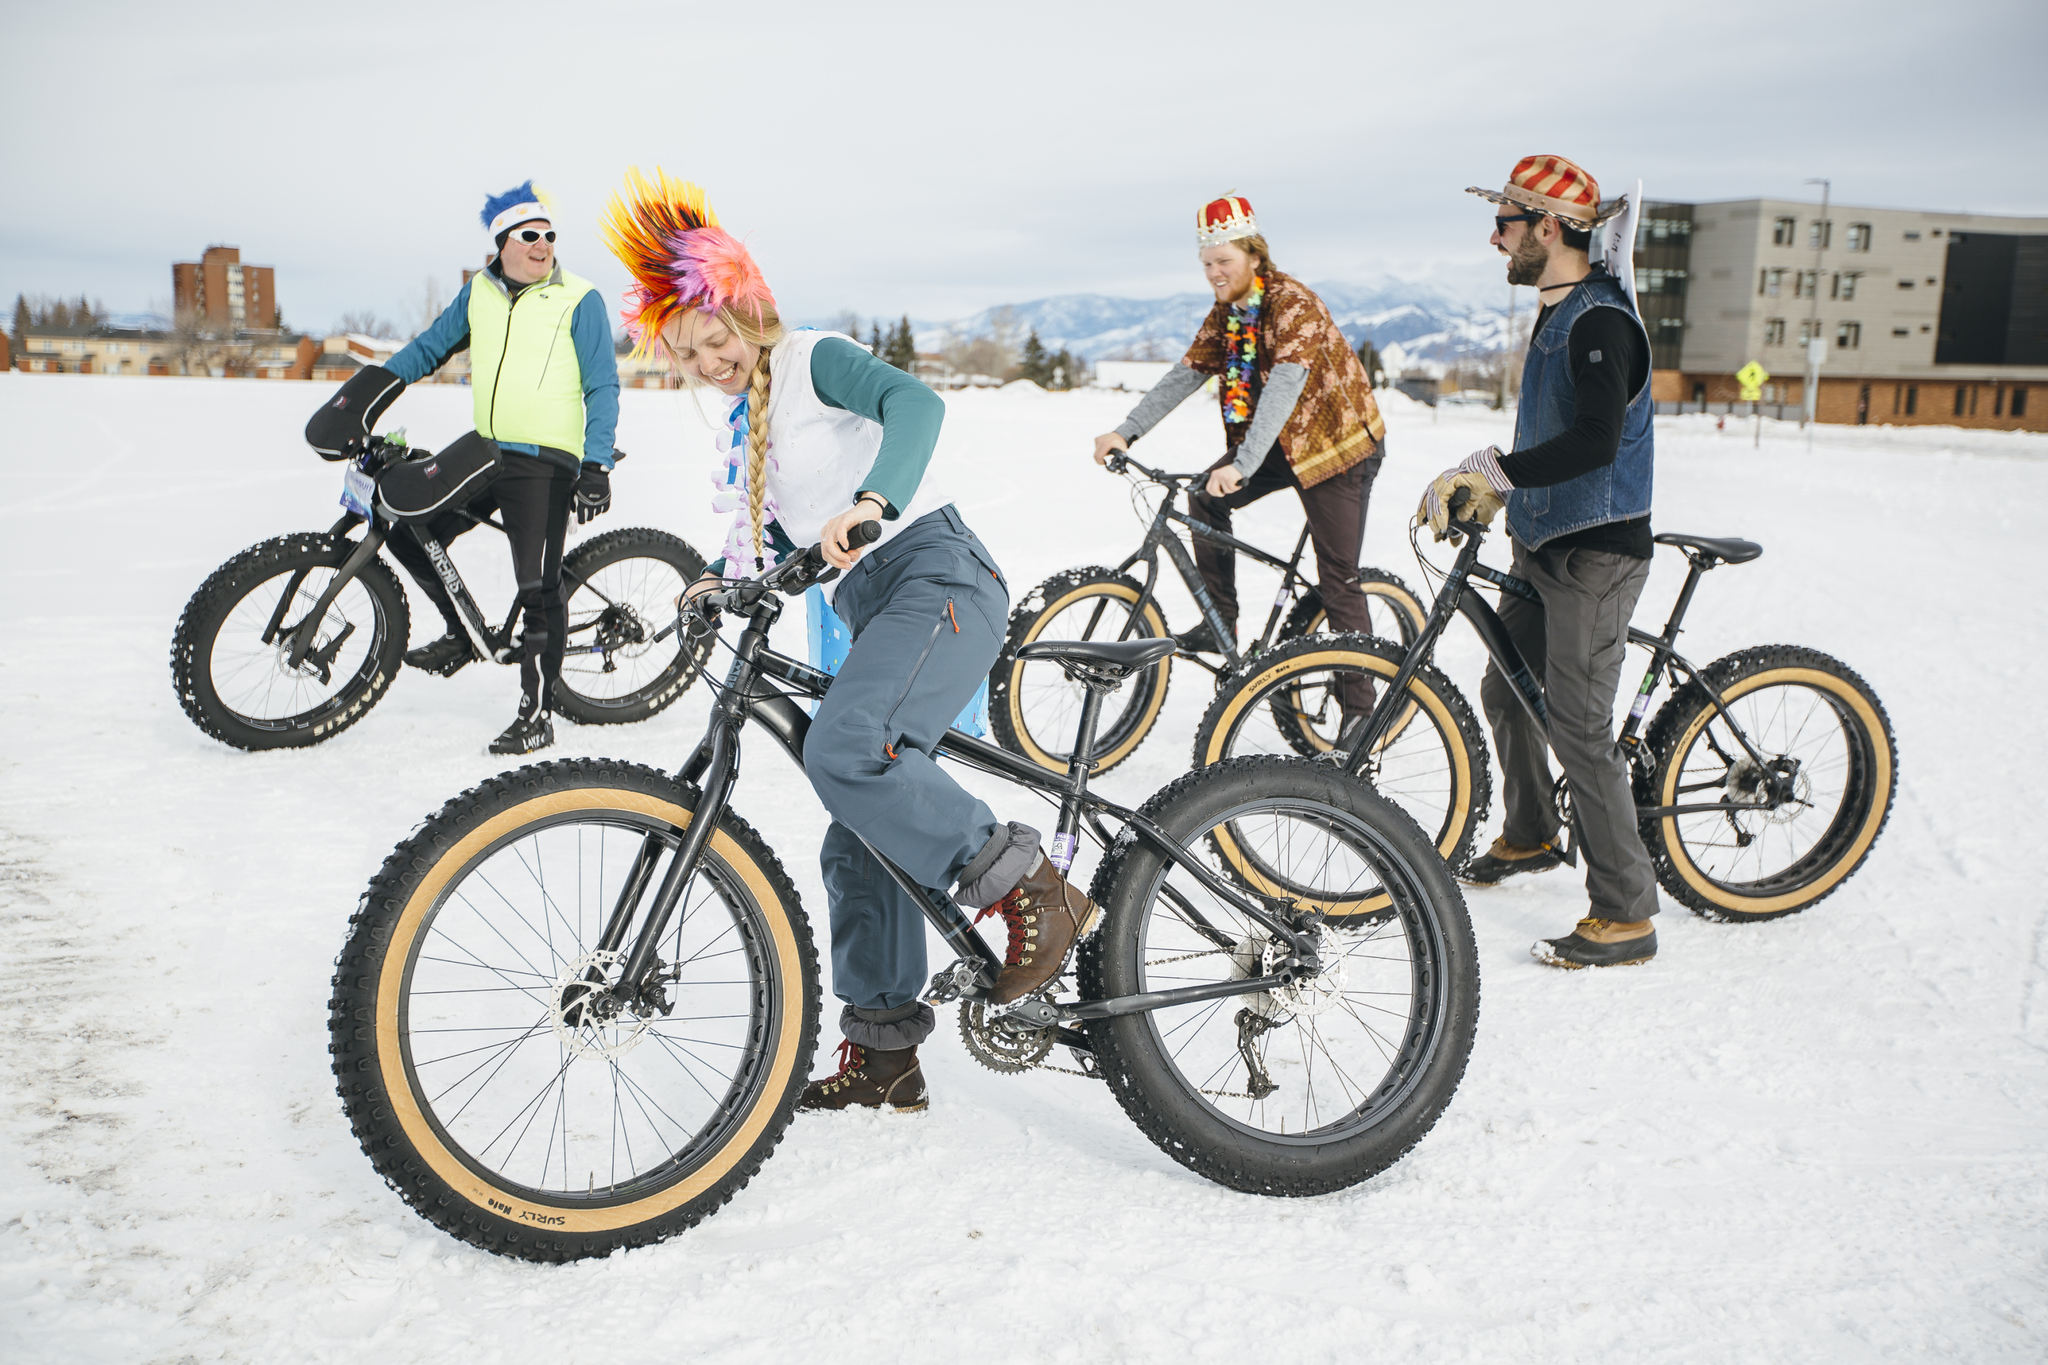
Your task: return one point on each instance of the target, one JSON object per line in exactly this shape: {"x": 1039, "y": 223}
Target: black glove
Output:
{"x": 338, "y": 430}
{"x": 593, "y": 492}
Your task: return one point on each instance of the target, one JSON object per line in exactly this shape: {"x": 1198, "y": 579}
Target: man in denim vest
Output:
{"x": 1577, "y": 493}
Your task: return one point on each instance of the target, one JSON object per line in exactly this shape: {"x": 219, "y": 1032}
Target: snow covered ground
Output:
{"x": 1824, "y": 1138}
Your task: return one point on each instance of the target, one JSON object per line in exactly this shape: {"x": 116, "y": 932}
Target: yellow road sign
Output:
{"x": 1752, "y": 377}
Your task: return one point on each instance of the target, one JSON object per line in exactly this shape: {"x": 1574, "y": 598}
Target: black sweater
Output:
{"x": 1609, "y": 362}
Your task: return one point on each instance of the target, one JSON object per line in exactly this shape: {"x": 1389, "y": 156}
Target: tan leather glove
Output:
{"x": 1480, "y": 475}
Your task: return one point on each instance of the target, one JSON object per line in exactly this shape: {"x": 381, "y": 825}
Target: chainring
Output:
{"x": 999, "y": 1048}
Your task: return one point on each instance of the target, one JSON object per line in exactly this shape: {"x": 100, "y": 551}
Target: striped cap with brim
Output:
{"x": 1556, "y": 186}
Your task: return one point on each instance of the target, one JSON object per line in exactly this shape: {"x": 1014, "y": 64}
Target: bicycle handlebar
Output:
{"x": 1119, "y": 460}
{"x": 790, "y": 577}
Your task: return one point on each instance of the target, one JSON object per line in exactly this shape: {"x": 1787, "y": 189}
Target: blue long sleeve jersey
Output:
{"x": 589, "y": 328}
{"x": 846, "y": 377}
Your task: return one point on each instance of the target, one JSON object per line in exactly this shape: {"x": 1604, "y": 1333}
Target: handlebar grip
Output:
{"x": 864, "y": 533}
{"x": 1117, "y": 462}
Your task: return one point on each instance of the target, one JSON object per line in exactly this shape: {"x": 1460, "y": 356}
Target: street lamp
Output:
{"x": 1814, "y": 344}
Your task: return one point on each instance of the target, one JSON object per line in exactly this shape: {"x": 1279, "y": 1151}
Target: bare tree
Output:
{"x": 991, "y": 350}
{"x": 847, "y": 321}
{"x": 431, "y": 302}
{"x": 363, "y": 322}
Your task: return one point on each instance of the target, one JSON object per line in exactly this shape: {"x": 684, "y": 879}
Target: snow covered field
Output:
{"x": 1824, "y": 1138}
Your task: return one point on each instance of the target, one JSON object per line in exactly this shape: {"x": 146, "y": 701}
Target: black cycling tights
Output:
{"x": 532, "y": 499}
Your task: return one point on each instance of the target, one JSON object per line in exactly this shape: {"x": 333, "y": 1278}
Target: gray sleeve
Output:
{"x": 1164, "y": 397}
{"x": 1276, "y": 404}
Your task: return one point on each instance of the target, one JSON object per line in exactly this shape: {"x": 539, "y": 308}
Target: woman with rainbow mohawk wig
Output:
{"x": 825, "y": 436}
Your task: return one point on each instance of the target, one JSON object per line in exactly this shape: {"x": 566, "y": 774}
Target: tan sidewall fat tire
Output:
{"x": 369, "y": 1064}
{"x": 1027, "y": 623}
{"x": 1252, "y": 683}
{"x": 1873, "y": 782}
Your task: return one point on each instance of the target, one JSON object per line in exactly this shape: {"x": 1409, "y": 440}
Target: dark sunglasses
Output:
{"x": 1500, "y": 224}
{"x": 535, "y": 234}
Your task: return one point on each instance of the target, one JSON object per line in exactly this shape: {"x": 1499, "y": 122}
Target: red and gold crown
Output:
{"x": 1225, "y": 220}
{"x": 1556, "y": 186}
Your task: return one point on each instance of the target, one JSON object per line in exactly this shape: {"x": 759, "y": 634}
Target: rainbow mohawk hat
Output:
{"x": 680, "y": 258}
{"x": 520, "y": 204}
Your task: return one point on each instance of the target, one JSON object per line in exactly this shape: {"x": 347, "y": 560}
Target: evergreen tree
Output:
{"x": 22, "y": 320}
{"x": 58, "y": 314}
{"x": 1375, "y": 368}
{"x": 903, "y": 347}
{"x": 1066, "y": 370}
{"x": 875, "y": 341}
{"x": 1036, "y": 365}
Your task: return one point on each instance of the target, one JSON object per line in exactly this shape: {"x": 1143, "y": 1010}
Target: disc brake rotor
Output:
{"x": 579, "y": 1024}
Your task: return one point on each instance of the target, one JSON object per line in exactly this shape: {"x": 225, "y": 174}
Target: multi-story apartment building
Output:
{"x": 227, "y": 292}
{"x": 1930, "y": 317}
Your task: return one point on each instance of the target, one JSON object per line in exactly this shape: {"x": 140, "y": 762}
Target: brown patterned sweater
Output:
{"x": 1336, "y": 423}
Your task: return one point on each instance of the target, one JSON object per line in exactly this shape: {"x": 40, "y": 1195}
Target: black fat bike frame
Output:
{"x": 486, "y": 645}
{"x": 750, "y": 693}
{"x": 1159, "y": 535}
{"x": 1457, "y": 596}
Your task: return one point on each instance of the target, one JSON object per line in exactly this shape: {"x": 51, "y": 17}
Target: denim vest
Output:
{"x": 1617, "y": 492}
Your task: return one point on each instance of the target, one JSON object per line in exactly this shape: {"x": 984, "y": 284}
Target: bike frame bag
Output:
{"x": 421, "y": 489}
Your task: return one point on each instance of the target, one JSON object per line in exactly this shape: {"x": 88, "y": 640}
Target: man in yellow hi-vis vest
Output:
{"x": 546, "y": 386}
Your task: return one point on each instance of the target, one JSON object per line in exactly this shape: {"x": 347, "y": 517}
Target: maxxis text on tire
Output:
{"x": 375, "y": 1053}
{"x": 274, "y": 562}
{"x": 1128, "y": 714}
{"x": 1143, "y": 1056}
{"x": 1864, "y": 747}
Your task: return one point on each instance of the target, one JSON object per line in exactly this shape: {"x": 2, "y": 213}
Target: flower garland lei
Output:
{"x": 1241, "y": 354}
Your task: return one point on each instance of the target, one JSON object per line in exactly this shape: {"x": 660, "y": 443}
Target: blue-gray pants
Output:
{"x": 928, "y": 611}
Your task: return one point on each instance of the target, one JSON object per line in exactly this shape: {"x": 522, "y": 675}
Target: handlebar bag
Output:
{"x": 422, "y": 488}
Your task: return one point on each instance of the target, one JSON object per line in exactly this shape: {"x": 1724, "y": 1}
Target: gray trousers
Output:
{"x": 1575, "y": 643}
{"x": 927, "y": 611}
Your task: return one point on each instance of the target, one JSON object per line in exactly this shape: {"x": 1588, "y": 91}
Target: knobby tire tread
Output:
{"x": 352, "y": 1014}
{"x": 1147, "y": 689}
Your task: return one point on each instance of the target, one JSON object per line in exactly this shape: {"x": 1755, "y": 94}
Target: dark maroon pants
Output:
{"x": 1336, "y": 526}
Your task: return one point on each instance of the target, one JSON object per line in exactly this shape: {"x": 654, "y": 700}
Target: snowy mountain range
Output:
{"x": 1416, "y": 325}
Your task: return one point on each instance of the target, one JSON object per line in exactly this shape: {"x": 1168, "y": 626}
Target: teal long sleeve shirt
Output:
{"x": 846, "y": 377}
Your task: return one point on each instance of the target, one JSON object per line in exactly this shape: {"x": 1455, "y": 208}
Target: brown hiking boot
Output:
{"x": 870, "y": 1078}
{"x": 1599, "y": 943}
{"x": 1047, "y": 917}
{"x": 1504, "y": 860}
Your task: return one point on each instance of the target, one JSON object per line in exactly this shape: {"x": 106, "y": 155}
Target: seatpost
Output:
{"x": 1080, "y": 763}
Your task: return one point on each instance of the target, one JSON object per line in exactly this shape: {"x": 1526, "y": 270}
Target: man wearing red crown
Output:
{"x": 1577, "y": 492}
{"x": 1298, "y": 412}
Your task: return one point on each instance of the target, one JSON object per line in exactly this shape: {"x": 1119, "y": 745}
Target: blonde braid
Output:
{"x": 757, "y": 453}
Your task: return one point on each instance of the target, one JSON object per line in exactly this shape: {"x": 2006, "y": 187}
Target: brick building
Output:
{"x": 226, "y": 292}
{"x": 1930, "y": 318}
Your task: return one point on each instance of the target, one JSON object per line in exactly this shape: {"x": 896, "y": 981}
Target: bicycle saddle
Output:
{"x": 1729, "y": 548}
{"x": 1118, "y": 656}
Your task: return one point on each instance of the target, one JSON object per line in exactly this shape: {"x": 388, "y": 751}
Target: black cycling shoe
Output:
{"x": 1200, "y": 640}
{"x": 525, "y": 734}
{"x": 445, "y": 656}
{"x": 1504, "y": 860}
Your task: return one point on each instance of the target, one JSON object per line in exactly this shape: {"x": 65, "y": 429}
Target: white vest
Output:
{"x": 820, "y": 454}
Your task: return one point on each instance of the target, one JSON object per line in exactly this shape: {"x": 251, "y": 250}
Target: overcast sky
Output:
{"x": 935, "y": 159}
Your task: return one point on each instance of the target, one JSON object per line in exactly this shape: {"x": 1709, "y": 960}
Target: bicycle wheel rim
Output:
{"x": 725, "y": 1100}
{"x": 643, "y": 587}
{"x": 1047, "y": 702}
{"x": 1417, "y": 764}
{"x": 1387, "y": 1010}
{"x": 1783, "y": 719}
{"x": 251, "y": 678}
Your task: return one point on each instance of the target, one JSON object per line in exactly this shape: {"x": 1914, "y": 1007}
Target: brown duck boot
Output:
{"x": 869, "y": 1077}
{"x": 1047, "y": 917}
{"x": 1505, "y": 860}
{"x": 1599, "y": 943}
